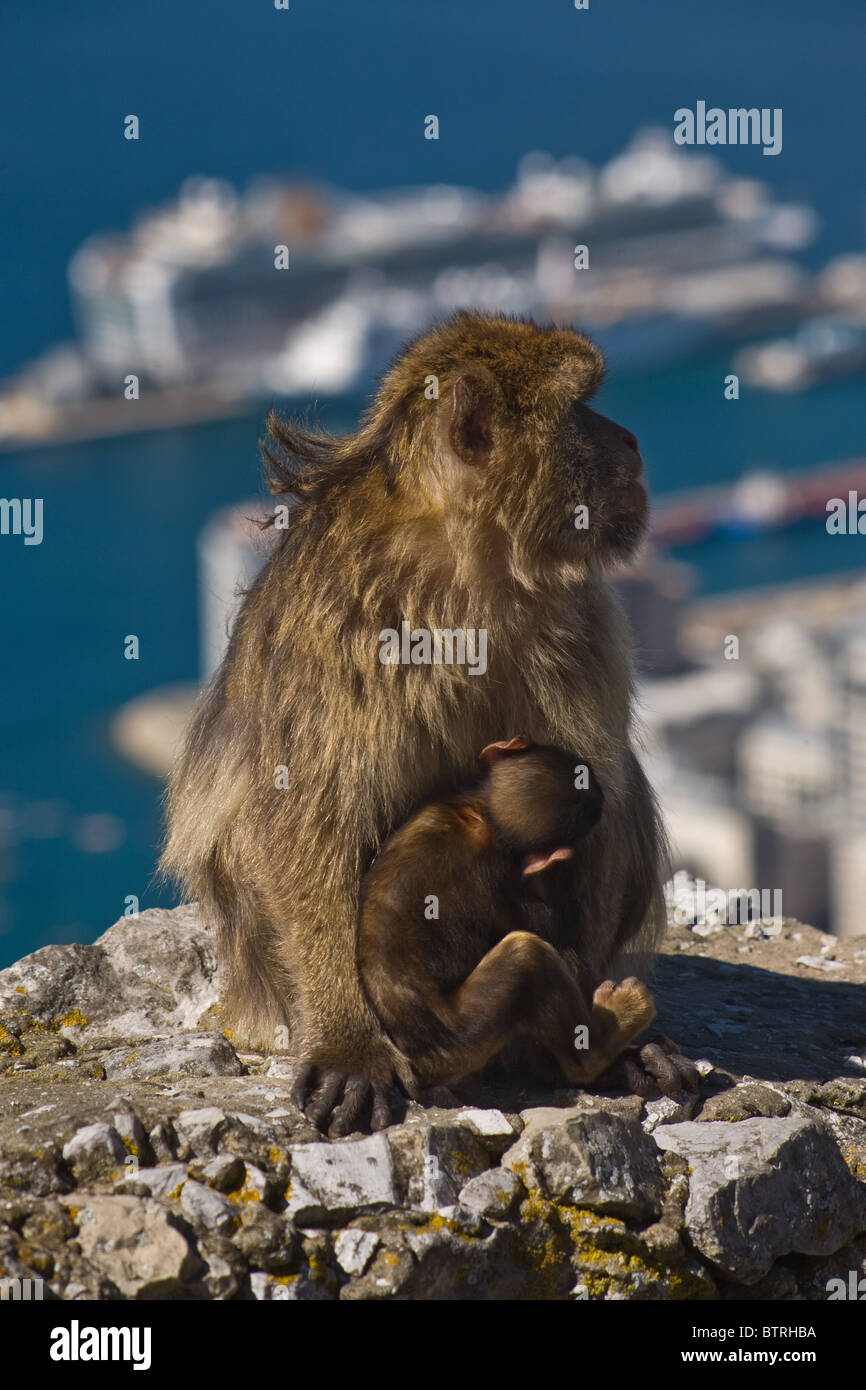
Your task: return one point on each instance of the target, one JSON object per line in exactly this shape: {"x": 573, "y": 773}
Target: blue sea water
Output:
{"x": 340, "y": 91}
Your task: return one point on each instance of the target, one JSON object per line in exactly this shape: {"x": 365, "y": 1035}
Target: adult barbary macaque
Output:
{"x": 453, "y": 513}
{"x": 469, "y": 914}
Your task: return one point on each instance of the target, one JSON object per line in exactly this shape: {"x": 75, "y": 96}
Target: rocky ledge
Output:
{"x": 143, "y": 1156}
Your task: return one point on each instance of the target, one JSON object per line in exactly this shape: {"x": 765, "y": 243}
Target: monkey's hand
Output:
{"x": 654, "y": 1068}
{"x": 340, "y": 1102}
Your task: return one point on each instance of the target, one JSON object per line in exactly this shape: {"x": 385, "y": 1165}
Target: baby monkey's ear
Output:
{"x": 494, "y": 751}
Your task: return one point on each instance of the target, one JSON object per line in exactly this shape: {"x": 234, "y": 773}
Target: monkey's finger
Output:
{"x": 347, "y": 1115}
{"x": 689, "y": 1073}
{"x": 660, "y": 1066}
{"x": 319, "y": 1110}
{"x": 686, "y": 1069}
{"x": 413, "y": 1090}
{"x": 636, "y": 1080}
{"x": 305, "y": 1083}
{"x": 381, "y": 1117}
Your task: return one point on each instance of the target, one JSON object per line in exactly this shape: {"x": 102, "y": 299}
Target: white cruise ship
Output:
{"x": 200, "y": 302}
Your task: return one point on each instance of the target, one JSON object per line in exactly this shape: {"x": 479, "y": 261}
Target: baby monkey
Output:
{"x": 465, "y": 917}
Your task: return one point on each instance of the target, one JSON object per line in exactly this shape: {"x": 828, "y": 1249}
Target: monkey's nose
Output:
{"x": 630, "y": 439}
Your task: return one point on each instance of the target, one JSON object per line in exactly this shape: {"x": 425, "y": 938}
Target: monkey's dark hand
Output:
{"x": 654, "y": 1068}
{"x": 339, "y": 1103}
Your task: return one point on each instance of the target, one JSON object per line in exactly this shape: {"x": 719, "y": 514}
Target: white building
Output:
{"x": 852, "y": 724}
{"x": 787, "y": 774}
{"x": 848, "y": 883}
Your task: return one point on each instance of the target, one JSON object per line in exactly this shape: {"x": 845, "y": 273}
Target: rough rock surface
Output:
{"x": 588, "y": 1157}
{"x": 143, "y": 1155}
{"x": 760, "y": 1188}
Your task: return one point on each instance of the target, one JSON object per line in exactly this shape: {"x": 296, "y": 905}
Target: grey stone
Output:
{"x": 842, "y": 1095}
{"x": 849, "y": 1133}
{"x": 265, "y": 1288}
{"x": 341, "y": 1179}
{"x": 150, "y": 974}
{"x": 761, "y": 1188}
{"x": 589, "y": 1159}
{"x": 291, "y": 1288}
{"x": 269, "y": 1241}
{"x": 461, "y": 1219}
{"x": 283, "y": 1067}
{"x": 259, "y": 1127}
{"x": 665, "y": 1111}
{"x": 225, "y": 1275}
{"x": 625, "y": 1107}
{"x": 202, "y": 1129}
{"x": 133, "y": 1241}
{"x": 37, "y": 1169}
{"x": 207, "y": 1208}
{"x": 434, "y": 1161}
{"x": 355, "y": 1250}
{"x": 187, "y": 1054}
{"x": 134, "y": 1136}
{"x": 494, "y": 1129}
{"x": 95, "y": 1151}
{"x": 256, "y": 1186}
{"x": 163, "y": 1141}
{"x": 164, "y": 1183}
{"x": 744, "y": 1101}
{"x": 225, "y": 1172}
{"x": 438, "y": 1260}
{"x": 493, "y": 1194}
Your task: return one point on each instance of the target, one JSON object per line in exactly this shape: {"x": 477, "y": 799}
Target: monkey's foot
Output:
{"x": 652, "y": 1069}
{"x": 338, "y": 1102}
{"x": 619, "y": 1012}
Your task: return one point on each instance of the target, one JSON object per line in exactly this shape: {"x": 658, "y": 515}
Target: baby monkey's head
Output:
{"x": 541, "y": 800}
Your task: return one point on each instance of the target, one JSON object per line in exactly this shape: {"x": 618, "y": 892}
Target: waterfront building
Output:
{"x": 852, "y": 723}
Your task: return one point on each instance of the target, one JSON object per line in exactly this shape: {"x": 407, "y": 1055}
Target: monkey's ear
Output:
{"x": 537, "y": 863}
{"x": 472, "y": 423}
{"x": 494, "y": 751}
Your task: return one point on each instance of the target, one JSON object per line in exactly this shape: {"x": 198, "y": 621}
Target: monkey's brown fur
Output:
{"x": 485, "y": 969}
{"x": 456, "y": 512}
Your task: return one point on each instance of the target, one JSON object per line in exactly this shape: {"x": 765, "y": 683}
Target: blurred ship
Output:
{"x": 822, "y": 349}
{"x": 758, "y": 503}
{"x": 190, "y": 301}
{"x": 831, "y": 344}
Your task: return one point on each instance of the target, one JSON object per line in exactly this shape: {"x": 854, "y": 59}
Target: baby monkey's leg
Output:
{"x": 523, "y": 986}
